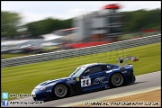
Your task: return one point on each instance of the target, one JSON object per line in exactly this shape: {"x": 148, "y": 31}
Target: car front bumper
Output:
{"x": 42, "y": 95}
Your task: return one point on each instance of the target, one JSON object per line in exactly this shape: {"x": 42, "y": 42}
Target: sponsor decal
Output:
{"x": 100, "y": 80}
{"x": 124, "y": 72}
{"x": 109, "y": 71}
{"x": 70, "y": 81}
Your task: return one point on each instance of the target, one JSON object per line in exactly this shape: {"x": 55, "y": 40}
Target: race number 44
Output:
{"x": 85, "y": 82}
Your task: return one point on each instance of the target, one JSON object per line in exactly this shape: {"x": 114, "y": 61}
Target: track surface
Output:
{"x": 142, "y": 82}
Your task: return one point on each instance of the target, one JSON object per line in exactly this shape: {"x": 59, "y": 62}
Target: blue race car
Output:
{"x": 86, "y": 78}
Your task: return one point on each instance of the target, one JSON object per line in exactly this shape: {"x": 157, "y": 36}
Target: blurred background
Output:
{"x": 38, "y": 27}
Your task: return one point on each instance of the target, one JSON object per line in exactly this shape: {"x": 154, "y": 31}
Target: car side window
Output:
{"x": 94, "y": 69}
{"x": 113, "y": 67}
{"x": 105, "y": 67}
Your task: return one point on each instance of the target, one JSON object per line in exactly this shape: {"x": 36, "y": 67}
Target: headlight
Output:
{"x": 33, "y": 93}
{"x": 44, "y": 87}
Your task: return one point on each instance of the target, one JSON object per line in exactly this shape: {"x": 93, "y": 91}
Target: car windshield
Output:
{"x": 77, "y": 72}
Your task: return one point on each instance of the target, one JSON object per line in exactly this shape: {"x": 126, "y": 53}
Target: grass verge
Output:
{"x": 4, "y": 56}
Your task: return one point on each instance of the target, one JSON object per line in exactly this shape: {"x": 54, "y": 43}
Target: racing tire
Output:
{"x": 60, "y": 91}
{"x": 117, "y": 80}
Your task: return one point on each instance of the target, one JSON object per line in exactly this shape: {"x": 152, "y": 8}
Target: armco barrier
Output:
{"x": 79, "y": 52}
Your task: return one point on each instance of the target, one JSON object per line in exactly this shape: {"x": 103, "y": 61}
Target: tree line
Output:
{"x": 139, "y": 20}
{"x": 134, "y": 21}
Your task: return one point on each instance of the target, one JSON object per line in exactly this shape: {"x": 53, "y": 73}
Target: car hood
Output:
{"x": 51, "y": 82}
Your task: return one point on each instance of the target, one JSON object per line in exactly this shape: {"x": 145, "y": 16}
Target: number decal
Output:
{"x": 85, "y": 82}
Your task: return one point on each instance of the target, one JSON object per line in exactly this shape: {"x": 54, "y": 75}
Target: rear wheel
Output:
{"x": 60, "y": 91}
{"x": 117, "y": 80}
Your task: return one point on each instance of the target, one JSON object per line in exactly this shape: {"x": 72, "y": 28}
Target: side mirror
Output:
{"x": 85, "y": 74}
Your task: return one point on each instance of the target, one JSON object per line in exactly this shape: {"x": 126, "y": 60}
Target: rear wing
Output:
{"x": 125, "y": 60}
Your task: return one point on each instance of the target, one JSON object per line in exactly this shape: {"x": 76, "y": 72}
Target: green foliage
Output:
{"x": 46, "y": 26}
{"x": 9, "y": 23}
{"x": 22, "y": 79}
{"x": 142, "y": 19}
{"x": 3, "y": 56}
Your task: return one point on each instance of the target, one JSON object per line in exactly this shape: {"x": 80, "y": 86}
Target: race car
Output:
{"x": 87, "y": 78}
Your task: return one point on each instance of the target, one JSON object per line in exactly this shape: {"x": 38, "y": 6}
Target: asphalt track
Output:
{"x": 142, "y": 82}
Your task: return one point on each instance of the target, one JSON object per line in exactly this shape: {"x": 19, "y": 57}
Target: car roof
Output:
{"x": 92, "y": 64}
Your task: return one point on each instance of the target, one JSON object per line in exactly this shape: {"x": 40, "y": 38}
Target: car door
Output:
{"x": 94, "y": 78}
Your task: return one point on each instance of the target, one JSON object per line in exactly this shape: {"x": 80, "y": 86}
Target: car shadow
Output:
{"x": 138, "y": 82}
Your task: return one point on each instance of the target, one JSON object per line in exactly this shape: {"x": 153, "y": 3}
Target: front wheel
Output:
{"x": 117, "y": 80}
{"x": 60, "y": 91}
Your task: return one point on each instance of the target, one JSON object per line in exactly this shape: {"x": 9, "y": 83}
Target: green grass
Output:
{"x": 22, "y": 79}
{"x": 3, "y": 56}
